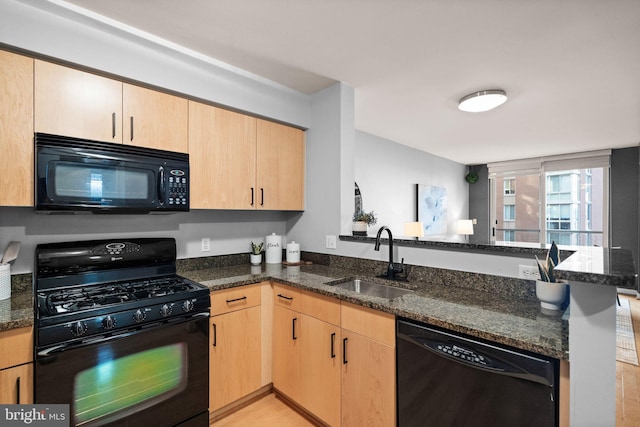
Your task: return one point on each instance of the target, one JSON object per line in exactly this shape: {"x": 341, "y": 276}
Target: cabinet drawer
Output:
{"x": 16, "y": 347}
{"x": 377, "y": 325}
{"x": 321, "y": 307}
{"x": 234, "y": 299}
{"x": 286, "y": 296}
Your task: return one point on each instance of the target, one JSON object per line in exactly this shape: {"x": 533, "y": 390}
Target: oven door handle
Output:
{"x": 50, "y": 351}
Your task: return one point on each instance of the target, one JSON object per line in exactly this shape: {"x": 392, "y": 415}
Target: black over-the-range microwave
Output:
{"x": 79, "y": 175}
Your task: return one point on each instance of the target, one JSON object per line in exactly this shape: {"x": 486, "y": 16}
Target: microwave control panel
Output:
{"x": 178, "y": 188}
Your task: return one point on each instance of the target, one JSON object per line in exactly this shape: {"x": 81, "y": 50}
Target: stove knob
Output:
{"x": 78, "y": 329}
{"x": 187, "y": 305}
{"x": 165, "y": 310}
{"x": 138, "y": 316}
{"x": 108, "y": 322}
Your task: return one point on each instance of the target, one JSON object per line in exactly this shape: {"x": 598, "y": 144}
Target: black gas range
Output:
{"x": 118, "y": 306}
{"x": 93, "y": 288}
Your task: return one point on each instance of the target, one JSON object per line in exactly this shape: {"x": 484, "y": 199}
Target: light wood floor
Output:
{"x": 628, "y": 378}
{"x": 266, "y": 412}
{"x": 270, "y": 411}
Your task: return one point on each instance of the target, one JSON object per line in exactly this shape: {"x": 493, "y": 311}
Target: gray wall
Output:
{"x": 230, "y": 232}
{"x": 479, "y": 205}
{"x": 624, "y": 200}
{"x": 59, "y": 33}
{"x": 387, "y": 174}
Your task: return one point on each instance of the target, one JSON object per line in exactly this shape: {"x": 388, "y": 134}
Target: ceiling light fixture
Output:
{"x": 483, "y": 100}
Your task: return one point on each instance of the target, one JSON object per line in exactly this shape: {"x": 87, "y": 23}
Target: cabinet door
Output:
{"x": 235, "y": 362}
{"x": 154, "y": 119}
{"x": 75, "y": 103}
{"x": 286, "y": 349}
{"x": 16, "y": 129}
{"x": 368, "y": 382}
{"x": 16, "y": 384}
{"x": 321, "y": 364}
{"x": 222, "y": 155}
{"x": 16, "y": 347}
{"x": 280, "y": 166}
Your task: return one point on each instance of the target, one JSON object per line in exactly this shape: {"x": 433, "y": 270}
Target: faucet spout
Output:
{"x": 391, "y": 268}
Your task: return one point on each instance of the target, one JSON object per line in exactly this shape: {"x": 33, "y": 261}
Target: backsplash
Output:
{"x": 498, "y": 285}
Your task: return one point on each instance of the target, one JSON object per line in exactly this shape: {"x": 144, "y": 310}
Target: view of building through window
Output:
{"x": 574, "y": 207}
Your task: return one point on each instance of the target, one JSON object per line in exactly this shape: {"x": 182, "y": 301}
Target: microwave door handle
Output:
{"x": 161, "y": 190}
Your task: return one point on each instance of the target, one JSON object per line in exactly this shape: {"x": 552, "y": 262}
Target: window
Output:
{"x": 509, "y": 186}
{"x": 509, "y": 212}
{"x": 561, "y": 198}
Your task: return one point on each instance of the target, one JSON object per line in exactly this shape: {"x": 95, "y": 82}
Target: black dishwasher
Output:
{"x": 445, "y": 379}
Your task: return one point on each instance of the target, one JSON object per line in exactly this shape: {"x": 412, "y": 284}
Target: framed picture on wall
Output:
{"x": 432, "y": 208}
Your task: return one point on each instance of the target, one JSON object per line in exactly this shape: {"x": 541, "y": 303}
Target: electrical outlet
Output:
{"x": 206, "y": 244}
{"x": 331, "y": 242}
{"x": 528, "y": 272}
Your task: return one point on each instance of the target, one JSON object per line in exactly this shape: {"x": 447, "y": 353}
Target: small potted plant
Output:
{"x": 361, "y": 221}
{"x": 256, "y": 253}
{"x": 550, "y": 291}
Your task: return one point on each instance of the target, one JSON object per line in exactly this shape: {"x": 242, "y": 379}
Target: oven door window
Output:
{"x": 117, "y": 387}
{"x": 97, "y": 184}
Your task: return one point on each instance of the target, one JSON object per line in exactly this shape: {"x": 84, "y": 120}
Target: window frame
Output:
{"x": 543, "y": 165}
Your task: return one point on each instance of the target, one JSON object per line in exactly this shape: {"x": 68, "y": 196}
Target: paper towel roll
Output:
{"x": 273, "y": 251}
{"x": 293, "y": 252}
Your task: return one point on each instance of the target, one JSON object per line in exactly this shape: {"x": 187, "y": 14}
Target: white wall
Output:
{"x": 387, "y": 174}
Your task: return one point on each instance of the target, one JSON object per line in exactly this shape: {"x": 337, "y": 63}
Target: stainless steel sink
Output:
{"x": 371, "y": 289}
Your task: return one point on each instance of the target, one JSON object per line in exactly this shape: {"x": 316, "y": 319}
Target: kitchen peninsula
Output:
{"x": 584, "y": 335}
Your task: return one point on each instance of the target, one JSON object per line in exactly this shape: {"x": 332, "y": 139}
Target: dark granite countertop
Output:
{"x": 510, "y": 320}
{"x": 17, "y": 310}
{"x": 513, "y": 321}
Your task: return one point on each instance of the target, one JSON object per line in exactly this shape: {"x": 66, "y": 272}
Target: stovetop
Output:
{"x": 103, "y": 295}
{"x": 99, "y": 288}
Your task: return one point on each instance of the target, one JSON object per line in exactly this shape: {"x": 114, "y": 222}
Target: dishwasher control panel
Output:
{"x": 462, "y": 353}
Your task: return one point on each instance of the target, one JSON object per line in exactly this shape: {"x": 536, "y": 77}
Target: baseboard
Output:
{"x": 299, "y": 409}
{"x": 232, "y": 407}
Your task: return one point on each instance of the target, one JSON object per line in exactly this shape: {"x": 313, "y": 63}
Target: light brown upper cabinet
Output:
{"x": 154, "y": 119}
{"x": 240, "y": 162}
{"x": 280, "y": 167}
{"x": 84, "y": 105}
{"x": 222, "y": 157}
{"x": 16, "y": 129}
{"x": 78, "y": 104}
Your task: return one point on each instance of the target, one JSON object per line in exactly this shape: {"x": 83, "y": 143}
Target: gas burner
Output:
{"x": 97, "y": 296}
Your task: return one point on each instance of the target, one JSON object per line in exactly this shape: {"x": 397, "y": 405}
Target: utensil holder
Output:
{"x": 5, "y": 281}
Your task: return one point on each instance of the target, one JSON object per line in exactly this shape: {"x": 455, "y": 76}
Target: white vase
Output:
{"x": 256, "y": 259}
{"x": 359, "y": 228}
{"x": 551, "y": 295}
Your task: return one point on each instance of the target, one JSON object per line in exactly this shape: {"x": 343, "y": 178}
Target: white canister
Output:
{"x": 293, "y": 252}
{"x": 5, "y": 281}
{"x": 273, "y": 251}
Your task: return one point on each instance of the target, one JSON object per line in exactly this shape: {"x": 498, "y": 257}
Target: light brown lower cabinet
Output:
{"x": 16, "y": 384}
{"x": 16, "y": 366}
{"x": 306, "y": 352}
{"x": 286, "y": 359}
{"x": 321, "y": 366}
{"x": 368, "y": 368}
{"x": 341, "y": 376}
{"x": 235, "y": 355}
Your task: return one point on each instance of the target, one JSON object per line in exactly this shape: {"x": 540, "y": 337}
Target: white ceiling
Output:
{"x": 571, "y": 68}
